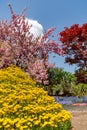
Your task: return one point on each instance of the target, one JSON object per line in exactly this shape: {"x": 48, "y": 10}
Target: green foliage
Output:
{"x": 80, "y": 90}
{"x": 61, "y": 81}
{"x": 67, "y": 83}
{"x": 55, "y": 76}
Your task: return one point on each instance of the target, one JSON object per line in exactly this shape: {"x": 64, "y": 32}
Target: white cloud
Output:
{"x": 36, "y": 28}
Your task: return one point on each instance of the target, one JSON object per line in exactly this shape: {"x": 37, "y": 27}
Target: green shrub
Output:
{"x": 60, "y": 81}
{"x": 80, "y": 89}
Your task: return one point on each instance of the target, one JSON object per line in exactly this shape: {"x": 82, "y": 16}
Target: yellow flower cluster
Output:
{"x": 23, "y": 106}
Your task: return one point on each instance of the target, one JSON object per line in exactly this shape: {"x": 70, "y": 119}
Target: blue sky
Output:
{"x": 50, "y": 13}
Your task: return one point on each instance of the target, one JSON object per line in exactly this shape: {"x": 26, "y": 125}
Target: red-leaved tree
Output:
{"x": 81, "y": 76}
{"x": 74, "y": 45}
{"x": 18, "y": 46}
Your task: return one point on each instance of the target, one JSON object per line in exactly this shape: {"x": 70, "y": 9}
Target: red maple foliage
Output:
{"x": 81, "y": 76}
{"x": 74, "y": 45}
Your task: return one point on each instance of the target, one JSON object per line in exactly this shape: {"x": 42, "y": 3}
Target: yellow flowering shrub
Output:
{"x": 24, "y": 106}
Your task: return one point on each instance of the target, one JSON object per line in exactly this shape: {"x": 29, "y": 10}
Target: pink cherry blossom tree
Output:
{"x": 19, "y": 47}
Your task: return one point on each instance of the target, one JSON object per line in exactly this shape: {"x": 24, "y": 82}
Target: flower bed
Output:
{"x": 71, "y": 100}
{"x": 24, "y": 106}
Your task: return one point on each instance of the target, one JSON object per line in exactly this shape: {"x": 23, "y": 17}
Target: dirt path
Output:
{"x": 79, "y": 120}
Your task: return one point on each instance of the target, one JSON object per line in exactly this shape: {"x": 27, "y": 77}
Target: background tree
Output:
{"x": 81, "y": 76}
{"x": 74, "y": 45}
{"x": 60, "y": 82}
